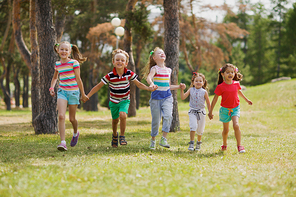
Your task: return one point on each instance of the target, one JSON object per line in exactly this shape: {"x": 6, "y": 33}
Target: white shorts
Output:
{"x": 197, "y": 120}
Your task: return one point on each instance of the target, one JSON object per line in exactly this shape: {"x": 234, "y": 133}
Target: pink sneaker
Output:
{"x": 241, "y": 149}
{"x": 223, "y": 148}
{"x": 62, "y": 147}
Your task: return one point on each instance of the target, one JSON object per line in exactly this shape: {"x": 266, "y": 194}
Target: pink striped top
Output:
{"x": 67, "y": 76}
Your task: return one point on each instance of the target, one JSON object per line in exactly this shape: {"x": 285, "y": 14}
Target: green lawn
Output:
{"x": 30, "y": 165}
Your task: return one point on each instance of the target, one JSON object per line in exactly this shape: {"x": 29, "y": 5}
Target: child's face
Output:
{"x": 198, "y": 82}
{"x": 228, "y": 75}
{"x": 159, "y": 55}
{"x": 64, "y": 51}
{"x": 120, "y": 61}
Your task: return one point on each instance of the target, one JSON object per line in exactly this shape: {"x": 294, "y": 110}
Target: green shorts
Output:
{"x": 225, "y": 114}
{"x": 115, "y": 108}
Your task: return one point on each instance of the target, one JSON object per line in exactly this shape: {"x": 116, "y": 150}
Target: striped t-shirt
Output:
{"x": 119, "y": 86}
{"x": 67, "y": 76}
{"x": 162, "y": 80}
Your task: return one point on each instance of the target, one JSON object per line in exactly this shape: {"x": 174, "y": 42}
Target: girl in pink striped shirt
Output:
{"x": 70, "y": 86}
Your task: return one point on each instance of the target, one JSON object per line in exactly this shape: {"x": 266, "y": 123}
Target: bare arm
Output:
{"x": 144, "y": 87}
{"x": 214, "y": 101}
{"x": 95, "y": 89}
{"x": 150, "y": 76}
{"x": 208, "y": 101}
{"x": 184, "y": 95}
{"x": 80, "y": 84}
{"x": 244, "y": 97}
{"x": 53, "y": 82}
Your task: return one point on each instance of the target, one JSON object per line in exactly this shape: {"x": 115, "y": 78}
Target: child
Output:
{"x": 161, "y": 102}
{"x": 119, "y": 86}
{"x": 229, "y": 88}
{"x": 70, "y": 83}
{"x": 197, "y": 113}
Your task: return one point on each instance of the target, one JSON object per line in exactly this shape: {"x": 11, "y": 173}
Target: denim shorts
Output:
{"x": 71, "y": 96}
{"x": 225, "y": 114}
{"x": 115, "y": 108}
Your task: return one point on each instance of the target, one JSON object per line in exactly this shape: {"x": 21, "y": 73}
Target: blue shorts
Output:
{"x": 116, "y": 108}
{"x": 225, "y": 114}
{"x": 71, "y": 96}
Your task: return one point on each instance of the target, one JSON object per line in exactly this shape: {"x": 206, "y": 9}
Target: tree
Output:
{"x": 46, "y": 121}
{"x": 171, "y": 48}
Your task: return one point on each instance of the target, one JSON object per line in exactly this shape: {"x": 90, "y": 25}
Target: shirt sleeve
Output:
{"x": 133, "y": 76}
{"x": 218, "y": 90}
{"x": 106, "y": 79}
{"x": 238, "y": 85}
{"x": 76, "y": 64}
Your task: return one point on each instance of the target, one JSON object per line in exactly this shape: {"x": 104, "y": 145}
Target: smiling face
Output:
{"x": 159, "y": 56}
{"x": 64, "y": 51}
{"x": 228, "y": 75}
{"x": 198, "y": 82}
{"x": 120, "y": 61}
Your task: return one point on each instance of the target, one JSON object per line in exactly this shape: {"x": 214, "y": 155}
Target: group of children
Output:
{"x": 161, "y": 101}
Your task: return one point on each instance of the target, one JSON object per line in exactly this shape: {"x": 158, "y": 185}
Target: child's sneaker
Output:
{"x": 241, "y": 149}
{"x": 62, "y": 147}
{"x": 223, "y": 148}
{"x": 152, "y": 144}
{"x": 164, "y": 143}
{"x": 198, "y": 145}
{"x": 191, "y": 146}
{"x": 74, "y": 140}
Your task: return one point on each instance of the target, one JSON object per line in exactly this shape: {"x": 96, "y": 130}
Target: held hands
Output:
{"x": 84, "y": 98}
{"x": 182, "y": 86}
{"x": 152, "y": 87}
{"x": 211, "y": 116}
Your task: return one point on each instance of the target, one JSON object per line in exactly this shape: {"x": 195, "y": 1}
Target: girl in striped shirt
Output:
{"x": 70, "y": 86}
{"x": 161, "y": 102}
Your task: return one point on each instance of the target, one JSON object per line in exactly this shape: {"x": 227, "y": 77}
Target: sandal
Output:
{"x": 114, "y": 141}
{"x": 122, "y": 140}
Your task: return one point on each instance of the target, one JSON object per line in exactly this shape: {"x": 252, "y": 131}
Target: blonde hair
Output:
{"x": 75, "y": 51}
{"x": 116, "y": 51}
{"x": 237, "y": 75}
{"x": 150, "y": 63}
{"x": 205, "y": 85}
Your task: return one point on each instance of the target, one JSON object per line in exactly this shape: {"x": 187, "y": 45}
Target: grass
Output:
{"x": 30, "y": 164}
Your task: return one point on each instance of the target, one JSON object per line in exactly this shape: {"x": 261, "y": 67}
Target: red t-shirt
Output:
{"x": 229, "y": 94}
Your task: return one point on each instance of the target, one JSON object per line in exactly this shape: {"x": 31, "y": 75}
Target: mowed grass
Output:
{"x": 30, "y": 165}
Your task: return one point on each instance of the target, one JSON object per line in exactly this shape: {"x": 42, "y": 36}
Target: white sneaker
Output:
{"x": 191, "y": 146}
{"x": 198, "y": 145}
{"x": 164, "y": 143}
{"x": 152, "y": 144}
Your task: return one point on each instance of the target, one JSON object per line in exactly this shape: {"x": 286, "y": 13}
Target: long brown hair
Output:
{"x": 75, "y": 51}
{"x": 237, "y": 75}
{"x": 205, "y": 85}
{"x": 150, "y": 63}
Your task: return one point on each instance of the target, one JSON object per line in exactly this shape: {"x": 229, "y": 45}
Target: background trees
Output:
{"x": 258, "y": 41}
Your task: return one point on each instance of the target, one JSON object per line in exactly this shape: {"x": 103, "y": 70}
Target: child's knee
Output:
{"x": 235, "y": 126}
{"x": 122, "y": 115}
{"x": 62, "y": 117}
{"x": 115, "y": 121}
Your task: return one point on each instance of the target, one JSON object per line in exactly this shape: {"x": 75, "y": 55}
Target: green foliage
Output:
{"x": 30, "y": 164}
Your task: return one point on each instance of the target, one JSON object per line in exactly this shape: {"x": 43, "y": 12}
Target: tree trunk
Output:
{"x": 26, "y": 91}
{"x": 34, "y": 60}
{"x": 7, "y": 27}
{"x": 171, "y": 48}
{"x": 6, "y": 94}
{"x": 92, "y": 104}
{"x": 46, "y": 121}
{"x": 138, "y": 71}
{"x": 17, "y": 86}
{"x": 131, "y": 65}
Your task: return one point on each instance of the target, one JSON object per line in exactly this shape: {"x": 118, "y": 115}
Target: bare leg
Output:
{"x": 62, "y": 107}
{"x": 164, "y": 134}
{"x": 225, "y": 132}
{"x": 122, "y": 117}
{"x": 192, "y": 135}
{"x": 199, "y": 138}
{"x": 114, "y": 126}
{"x": 72, "y": 117}
{"x": 236, "y": 129}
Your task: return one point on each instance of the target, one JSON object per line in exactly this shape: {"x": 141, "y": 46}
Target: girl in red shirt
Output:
{"x": 229, "y": 89}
